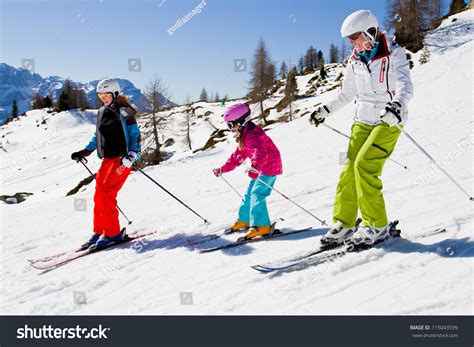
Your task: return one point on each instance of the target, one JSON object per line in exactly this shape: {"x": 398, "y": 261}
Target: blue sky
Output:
{"x": 88, "y": 40}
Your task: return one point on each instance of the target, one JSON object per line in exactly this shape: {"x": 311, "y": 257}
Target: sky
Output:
{"x": 89, "y": 40}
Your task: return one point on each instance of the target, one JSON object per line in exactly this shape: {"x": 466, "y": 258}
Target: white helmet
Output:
{"x": 362, "y": 21}
{"x": 109, "y": 85}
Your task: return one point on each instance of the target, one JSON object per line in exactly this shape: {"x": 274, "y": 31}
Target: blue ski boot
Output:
{"x": 94, "y": 238}
{"x": 105, "y": 241}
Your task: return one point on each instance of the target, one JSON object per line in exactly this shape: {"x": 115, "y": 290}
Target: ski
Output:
{"x": 219, "y": 234}
{"x": 57, "y": 255}
{"x": 323, "y": 247}
{"x": 242, "y": 241}
{"x": 321, "y": 254}
{"x": 214, "y": 235}
{"x": 50, "y": 262}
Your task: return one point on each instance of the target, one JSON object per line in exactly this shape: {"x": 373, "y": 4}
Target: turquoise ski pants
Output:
{"x": 253, "y": 209}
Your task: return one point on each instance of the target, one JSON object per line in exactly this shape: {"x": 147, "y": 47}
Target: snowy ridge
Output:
{"x": 432, "y": 275}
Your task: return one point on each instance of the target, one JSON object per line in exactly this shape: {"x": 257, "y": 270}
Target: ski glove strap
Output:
{"x": 252, "y": 172}
{"x": 80, "y": 155}
{"x": 392, "y": 113}
{"x": 129, "y": 159}
{"x": 318, "y": 116}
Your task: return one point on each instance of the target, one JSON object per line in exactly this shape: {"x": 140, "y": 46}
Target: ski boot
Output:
{"x": 238, "y": 226}
{"x": 258, "y": 231}
{"x": 369, "y": 236}
{"x": 105, "y": 241}
{"x": 337, "y": 234}
{"x": 91, "y": 241}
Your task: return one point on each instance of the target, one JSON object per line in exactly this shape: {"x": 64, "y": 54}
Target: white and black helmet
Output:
{"x": 362, "y": 21}
{"x": 109, "y": 85}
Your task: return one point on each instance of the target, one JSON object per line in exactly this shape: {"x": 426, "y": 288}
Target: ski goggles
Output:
{"x": 354, "y": 36}
{"x": 103, "y": 96}
{"x": 230, "y": 125}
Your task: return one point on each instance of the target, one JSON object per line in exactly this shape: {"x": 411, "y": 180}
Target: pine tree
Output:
{"x": 322, "y": 70}
{"x": 310, "y": 60}
{"x": 63, "y": 102}
{"x": 283, "y": 70}
{"x": 47, "y": 101}
{"x": 37, "y": 101}
{"x": 291, "y": 87}
{"x": 425, "y": 55}
{"x": 15, "y": 112}
{"x": 217, "y": 98}
{"x": 203, "y": 96}
{"x": 333, "y": 53}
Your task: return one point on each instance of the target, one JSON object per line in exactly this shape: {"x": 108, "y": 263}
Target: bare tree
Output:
{"x": 310, "y": 60}
{"x": 344, "y": 52}
{"x": 263, "y": 75}
{"x": 301, "y": 65}
{"x": 456, "y": 6}
{"x": 186, "y": 125}
{"x": 156, "y": 92}
{"x": 435, "y": 10}
{"x": 409, "y": 19}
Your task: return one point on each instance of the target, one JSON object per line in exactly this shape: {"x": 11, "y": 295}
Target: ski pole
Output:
{"x": 341, "y": 133}
{"x": 93, "y": 176}
{"x": 434, "y": 161}
{"x": 167, "y": 191}
{"x": 323, "y": 222}
{"x": 231, "y": 187}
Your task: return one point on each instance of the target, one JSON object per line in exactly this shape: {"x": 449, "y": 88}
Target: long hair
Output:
{"x": 122, "y": 101}
{"x": 240, "y": 137}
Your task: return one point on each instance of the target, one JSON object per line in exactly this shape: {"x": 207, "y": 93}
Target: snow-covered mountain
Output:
{"x": 20, "y": 84}
{"x": 412, "y": 275}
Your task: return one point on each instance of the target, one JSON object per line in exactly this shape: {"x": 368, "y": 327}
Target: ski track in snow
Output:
{"x": 431, "y": 275}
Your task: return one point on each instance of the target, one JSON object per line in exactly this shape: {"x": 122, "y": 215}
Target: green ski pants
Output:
{"x": 360, "y": 186}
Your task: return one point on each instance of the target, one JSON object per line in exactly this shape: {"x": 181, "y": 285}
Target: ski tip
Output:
{"x": 260, "y": 269}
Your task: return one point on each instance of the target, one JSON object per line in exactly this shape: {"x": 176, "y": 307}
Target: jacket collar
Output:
{"x": 381, "y": 51}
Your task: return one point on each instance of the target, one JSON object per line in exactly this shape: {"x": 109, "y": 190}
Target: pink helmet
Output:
{"x": 237, "y": 114}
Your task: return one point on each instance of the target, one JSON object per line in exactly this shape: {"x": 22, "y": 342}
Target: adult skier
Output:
{"x": 117, "y": 140}
{"x": 265, "y": 160}
{"x": 378, "y": 78}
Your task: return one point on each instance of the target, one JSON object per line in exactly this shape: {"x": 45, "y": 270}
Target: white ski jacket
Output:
{"x": 385, "y": 78}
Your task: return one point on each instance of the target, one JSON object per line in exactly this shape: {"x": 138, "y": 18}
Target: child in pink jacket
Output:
{"x": 252, "y": 143}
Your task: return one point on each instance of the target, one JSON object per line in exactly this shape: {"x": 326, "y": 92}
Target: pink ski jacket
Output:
{"x": 261, "y": 151}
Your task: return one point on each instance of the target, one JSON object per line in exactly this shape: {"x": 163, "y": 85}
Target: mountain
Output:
{"x": 408, "y": 276}
{"x": 21, "y": 84}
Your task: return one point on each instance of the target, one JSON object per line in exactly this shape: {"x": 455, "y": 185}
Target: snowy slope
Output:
{"x": 430, "y": 275}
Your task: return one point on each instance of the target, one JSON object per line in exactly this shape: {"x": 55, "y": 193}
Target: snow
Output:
{"x": 431, "y": 275}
